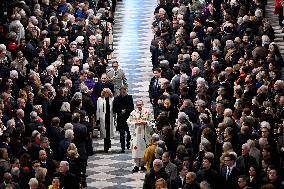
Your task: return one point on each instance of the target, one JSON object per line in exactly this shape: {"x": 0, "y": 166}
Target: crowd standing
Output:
{"x": 216, "y": 94}
{"x": 217, "y": 97}
{"x": 54, "y": 56}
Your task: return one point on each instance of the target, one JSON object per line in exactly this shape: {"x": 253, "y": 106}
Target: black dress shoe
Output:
{"x": 142, "y": 168}
{"x": 135, "y": 169}
{"x": 128, "y": 146}
{"x": 122, "y": 151}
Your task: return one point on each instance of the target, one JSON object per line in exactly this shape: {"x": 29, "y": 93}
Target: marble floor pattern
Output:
{"x": 132, "y": 38}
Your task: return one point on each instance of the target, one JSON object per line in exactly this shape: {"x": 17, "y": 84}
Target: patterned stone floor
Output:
{"x": 132, "y": 37}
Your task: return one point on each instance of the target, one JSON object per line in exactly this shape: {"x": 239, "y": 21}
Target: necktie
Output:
{"x": 228, "y": 173}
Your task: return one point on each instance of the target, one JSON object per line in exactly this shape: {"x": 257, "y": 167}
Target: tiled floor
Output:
{"x": 132, "y": 38}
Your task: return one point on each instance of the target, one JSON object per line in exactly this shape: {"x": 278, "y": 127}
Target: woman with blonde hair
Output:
{"x": 161, "y": 184}
{"x": 105, "y": 117}
{"x": 74, "y": 160}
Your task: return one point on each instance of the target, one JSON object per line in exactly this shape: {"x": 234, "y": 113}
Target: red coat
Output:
{"x": 277, "y": 7}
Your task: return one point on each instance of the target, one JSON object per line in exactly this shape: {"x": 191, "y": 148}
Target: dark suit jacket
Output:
{"x": 88, "y": 105}
{"x": 154, "y": 91}
{"x": 122, "y": 103}
{"x": 68, "y": 181}
{"x": 80, "y": 138}
{"x": 232, "y": 181}
{"x": 244, "y": 166}
{"x": 14, "y": 185}
{"x": 177, "y": 183}
{"x": 100, "y": 86}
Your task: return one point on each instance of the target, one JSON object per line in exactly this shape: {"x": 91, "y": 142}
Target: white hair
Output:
{"x": 258, "y": 12}
{"x": 65, "y": 107}
{"x": 75, "y": 69}
{"x": 77, "y": 96}
{"x": 86, "y": 66}
{"x": 66, "y": 164}
{"x": 69, "y": 134}
{"x": 50, "y": 68}
{"x": 14, "y": 74}
{"x": 99, "y": 37}
{"x": 80, "y": 39}
{"x": 33, "y": 181}
{"x": 68, "y": 126}
{"x": 11, "y": 122}
{"x": 201, "y": 81}
{"x": 33, "y": 115}
{"x": 2, "y": 47}
{"x": 192, "y": 35}
{"x": 186, "y": 139}
{"x": 228, "y": 112}
{"x": 265, "y": 124}
{"x": 175, "y": 10}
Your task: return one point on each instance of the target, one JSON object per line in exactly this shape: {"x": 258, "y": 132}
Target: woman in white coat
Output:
{"x": 105, "y": 117}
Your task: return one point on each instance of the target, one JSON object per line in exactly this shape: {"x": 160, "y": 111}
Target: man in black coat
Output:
{"x": 245, "y": 160}
{"x": 155, "y": 89}
{"x": 191, "y": 182}
{"x": 80, "y": 139}
{"x": 103, "y": 83}
{"x": 180, "y": 180}
{"x": 87, "y": 102}
{"x": 67, "y": 179}
{"x": 155, "y": 173}
{"x": 123, "y": 106}
{"x": 230, "y": 172}
{"x": 208, "y": 174}
{"x": 54, "y": 135}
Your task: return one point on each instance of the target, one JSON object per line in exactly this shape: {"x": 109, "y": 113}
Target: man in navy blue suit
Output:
{"x": 123, "y": 106}
{"x": 103, "y": 83}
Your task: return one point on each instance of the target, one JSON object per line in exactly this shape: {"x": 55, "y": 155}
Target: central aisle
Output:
{"x": 132, "y": 38}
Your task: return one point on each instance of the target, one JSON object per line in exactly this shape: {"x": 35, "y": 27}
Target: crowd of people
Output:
{"x": 217, "y": 97}
{"x": 53, "y": 60}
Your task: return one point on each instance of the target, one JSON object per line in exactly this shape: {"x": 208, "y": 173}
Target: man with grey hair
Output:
{"x": 195, "y": 57}
{"x": 190, "y": 180}
{"x": 158, "y": 171}
{"x": 8, "y": 180}
{"x": 64, "y": 143}
{"x": 67, "y": 179}
{"x": 244, "y": 161}
{"x": 34, "y": 124}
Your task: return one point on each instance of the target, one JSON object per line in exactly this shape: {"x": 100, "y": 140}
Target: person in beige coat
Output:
{"x": 140, "y": 131}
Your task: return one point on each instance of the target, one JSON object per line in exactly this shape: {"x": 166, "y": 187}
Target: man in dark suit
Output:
{"x": 155, "y": 89}
{"x": 103, "y": 83}
{"x": 54, "y": 135}
{"x": 180, "y": 180}
{"x": 67, "y": 179}
{"x": 207, "y": 173}
{"x": 8, "y": 180}
{"x": 230, "y": 172}
{"x": 245, "y": 160}
{"x": 80, "y": 139}
{"x": 123, "y": 106}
